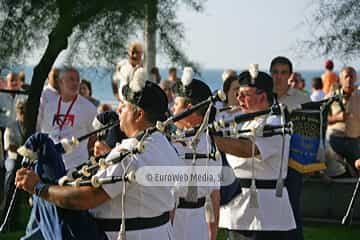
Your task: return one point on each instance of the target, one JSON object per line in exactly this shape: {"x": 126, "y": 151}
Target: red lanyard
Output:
{"x": 67, "y": 112}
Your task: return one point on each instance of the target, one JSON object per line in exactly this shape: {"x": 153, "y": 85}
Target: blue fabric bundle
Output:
{"x": 48, "y": 221}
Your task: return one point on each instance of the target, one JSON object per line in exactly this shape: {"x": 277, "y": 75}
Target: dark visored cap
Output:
{"x": 191, "y": 88}
{"x": 151, "y": 98}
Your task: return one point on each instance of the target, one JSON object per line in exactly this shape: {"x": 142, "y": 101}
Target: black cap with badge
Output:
{"x": 145, "y": 94}
{"x": 255, "y": 78}
{"x": 191, "y": 88}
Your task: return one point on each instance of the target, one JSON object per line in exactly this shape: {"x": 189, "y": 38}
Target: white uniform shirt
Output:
{"x": 140, "y": 201}
{"x": 202, "y": 147}
{"x": 82, "y": 112}
{"x": 190, "y": 223}
{"x": 274, "y": 213}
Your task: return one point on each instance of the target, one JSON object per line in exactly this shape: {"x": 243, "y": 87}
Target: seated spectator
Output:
{"x": 86, "y": 91}
{"x": 317, "y": 92}
{"x": 343, "y": 121}
{"x": 14, "y": 137}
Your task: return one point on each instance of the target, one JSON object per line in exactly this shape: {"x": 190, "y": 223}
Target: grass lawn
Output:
{"x": 312, "y": 231}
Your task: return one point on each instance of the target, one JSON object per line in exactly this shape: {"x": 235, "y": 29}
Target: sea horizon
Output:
{"x": 100, "y": 78}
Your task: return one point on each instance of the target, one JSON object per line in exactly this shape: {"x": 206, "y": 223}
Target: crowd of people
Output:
{"x": 268, "y": 204}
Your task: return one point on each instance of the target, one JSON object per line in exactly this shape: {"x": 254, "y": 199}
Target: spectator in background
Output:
{"x": 281, "y": 69}
{"x": 68, "y": 115}
{"x": 14, "y": 137}
{"x": 125, "y": 68}
{"x": 8, "y": 100}
{"x": 104, "y": 107}
{"x": 86, "y": 91}
{"x": 51, "y": 90}
{"x": 23, "y": 85}
{"x": 329, "y": 78}
{"x": 2, "y": 83}
{"x": 231, "y": 87}
{"x": 172, "y": 76}
{"x": 343, "y": 122}
{"x": 296, "y": 81}
{"x": 167, "y": 86}
{"x": 317, "y": 90}
{"x": 155, "y": 75}
{"x": 301, "y": 84}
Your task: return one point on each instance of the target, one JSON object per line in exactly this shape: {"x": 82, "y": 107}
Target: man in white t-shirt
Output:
{"x": 317, "y": 94}
{"x": 125, "y": 68}
{"x": 68, "y": 115}
{"x": 146, "y": 208}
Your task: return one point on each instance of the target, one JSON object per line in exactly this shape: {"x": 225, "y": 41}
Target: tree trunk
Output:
{"x": 150, "y": 36}
{"x": 58, "y": 40}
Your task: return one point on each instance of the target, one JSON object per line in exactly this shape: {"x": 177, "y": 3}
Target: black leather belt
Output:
{"x": 132, "y": 224}
{"x": 186, "y": 204}
{"x": 263, "y": 184}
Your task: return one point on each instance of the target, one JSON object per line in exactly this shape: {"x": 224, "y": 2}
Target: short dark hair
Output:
{"x": 88, "y": 85}
{"x": 329, "y": 65}
{"x": 316, "y": 83}
{"x": 281, "y": 60}
{"x": 172, "y": 69}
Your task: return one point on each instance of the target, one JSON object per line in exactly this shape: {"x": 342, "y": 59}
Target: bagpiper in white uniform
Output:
{"x": 143, "y": 213}
{"x": 189, "y": 222}
{"x": 272, "y": 217}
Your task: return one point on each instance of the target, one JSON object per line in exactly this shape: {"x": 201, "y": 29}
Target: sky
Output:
{"x": 236, "y": 33}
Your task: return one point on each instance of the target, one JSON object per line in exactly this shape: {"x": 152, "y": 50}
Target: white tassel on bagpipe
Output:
{"x": 253, "y": 202}
{"x": 320, "y": 156}
{"x": 280, "y": 180}
{"x": 209, "y": 210}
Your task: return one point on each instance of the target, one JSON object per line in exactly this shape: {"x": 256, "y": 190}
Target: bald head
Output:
{"x": 135, "y": 53}
{"x": 347, "y": 79}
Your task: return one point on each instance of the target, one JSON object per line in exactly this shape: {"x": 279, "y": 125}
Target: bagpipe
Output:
{"x": 42, "y": 155}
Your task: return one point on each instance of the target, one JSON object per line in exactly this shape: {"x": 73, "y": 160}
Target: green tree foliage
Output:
{"x": 96, "y": 32}
{"x": 335, "y": 28}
